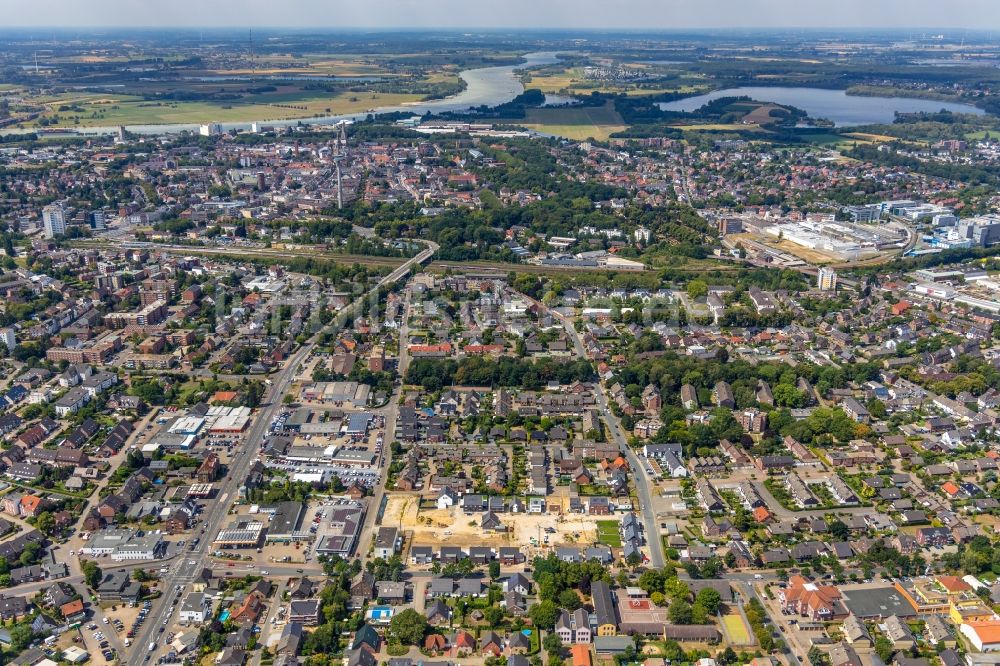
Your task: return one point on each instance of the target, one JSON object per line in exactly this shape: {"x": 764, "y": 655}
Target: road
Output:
{"x": 391, "y": 415}
{"x": 189, "y": 564}
{"x": 646, "y": 511}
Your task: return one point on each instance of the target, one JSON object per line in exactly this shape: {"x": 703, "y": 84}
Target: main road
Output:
{"x": 189, "y": 564}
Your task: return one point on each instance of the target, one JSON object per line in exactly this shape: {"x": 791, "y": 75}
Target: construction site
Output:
{"x": 534, "y": 534}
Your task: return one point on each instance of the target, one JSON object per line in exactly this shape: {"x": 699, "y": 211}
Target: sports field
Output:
{"x": 735, "y": 629}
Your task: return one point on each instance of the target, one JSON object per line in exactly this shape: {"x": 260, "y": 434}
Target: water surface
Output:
{"x": 833, "y": 105}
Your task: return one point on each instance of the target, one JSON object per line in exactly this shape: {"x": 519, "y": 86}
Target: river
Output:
{"x": 486, "y": 85}
{"x": 834, "y": 105}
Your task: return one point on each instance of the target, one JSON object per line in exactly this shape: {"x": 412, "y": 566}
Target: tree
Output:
{"x": 408, "y": 627}
{"x": 840, "y": 530}
{"x": 569, "y": 600}
{"x": 697, "y": 288}
{"x": 679, "y": 612}
{"x": 675, "y": 588}
{"x": 698, "y": 614}
{"x": 20, "y": 636}
{"x": 45, "y": 522}
{"x": 876, "y": 408}
{"x": 493, "y": 615}
{"x": 553, "y": 644}
{"x": 652, "y": 580}
{"x": 884, "y": 649}
{"x": 710, "y": 599}
{"x": 544, "y": 614}
{"x": 92, "y": 574}
{"x": 494, "y": 569}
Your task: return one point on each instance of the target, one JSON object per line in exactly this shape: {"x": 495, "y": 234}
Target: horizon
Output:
{"x": 644, "y": 15}
{"x": 500, "y": 29}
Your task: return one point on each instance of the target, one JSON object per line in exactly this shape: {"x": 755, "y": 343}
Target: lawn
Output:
{"x": 593, "y": 490}
{"x": 607, "y": 533}
{"x": 536, "y": 641}
{"x": 577, "y": 122}
{"x": 736, "y": 630}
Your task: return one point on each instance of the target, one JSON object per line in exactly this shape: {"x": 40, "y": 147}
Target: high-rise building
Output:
{"x": 97, "y": 220}
{"x": 210, "y": 129}
{"x": 7, "y": 338}
{"x": 54, "y": 219}
{"x": 827, "y": 279}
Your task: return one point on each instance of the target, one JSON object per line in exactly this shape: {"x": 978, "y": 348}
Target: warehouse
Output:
{"x": 228, "y": 420}
{"x": 357, "y": 424}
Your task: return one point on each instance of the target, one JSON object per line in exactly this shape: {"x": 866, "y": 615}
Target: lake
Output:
{"x": 834, "y": 105}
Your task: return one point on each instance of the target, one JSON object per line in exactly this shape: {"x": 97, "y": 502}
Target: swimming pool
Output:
{"x": 380, "y": 613}
{"x": 223, "y": 616}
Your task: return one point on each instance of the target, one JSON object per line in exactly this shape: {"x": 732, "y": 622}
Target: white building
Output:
{"x": 138, "y": 548}
{"x": 210, "y": 129}
{"x": 72, "y": 401}
{"x": 104, "y": 542}
{"x": 387, "y": 542}
{"x": 196, "y": 608}
{"x": 7, "y": 338}
{"x": 984, "y": 636}
{"x": 54, "y": 220}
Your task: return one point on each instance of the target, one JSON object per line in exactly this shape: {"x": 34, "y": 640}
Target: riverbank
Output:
{"x": 889, "y": 91}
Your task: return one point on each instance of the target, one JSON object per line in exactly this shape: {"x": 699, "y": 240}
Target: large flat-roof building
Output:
{"x": 286, "y": 517}
{"x": 242, "y": 533}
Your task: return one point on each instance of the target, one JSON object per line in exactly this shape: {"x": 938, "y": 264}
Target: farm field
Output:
{"x": 572, "y": 81}
{"x": 576, "y": 123}
{"x": 103, "y": 110}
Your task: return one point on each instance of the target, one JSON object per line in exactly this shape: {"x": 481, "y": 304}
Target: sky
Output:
{"x": 582, "y": 14}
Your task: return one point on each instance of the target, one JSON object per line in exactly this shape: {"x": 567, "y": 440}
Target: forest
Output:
{"x": 435, "y": 374}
